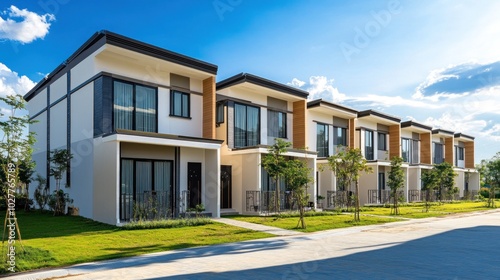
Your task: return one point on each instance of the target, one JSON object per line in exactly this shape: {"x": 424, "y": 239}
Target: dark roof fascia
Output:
{"x": 439, "y": 130}
{"x": 292, "y": 150}
{"x": 106, "y": 37}
{"x": 151, "y": 50}
{"x": 319, "y": 102}
{"x": 166, "y": 136}
{"x": 458, "y": 135}
{"x": 249, "y": 78}
{"x": 416, "y": 124}
{"x": 367, "y": 113}
{"x": 61, "y": 69}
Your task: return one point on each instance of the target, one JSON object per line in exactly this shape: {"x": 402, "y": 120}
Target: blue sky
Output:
{"x": 436, "y": 62}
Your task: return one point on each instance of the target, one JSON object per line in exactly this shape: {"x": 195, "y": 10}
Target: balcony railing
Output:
{"x": 266, "y": 201}
{"x": 339, "y": 199}
{"x": 381, "y": 196}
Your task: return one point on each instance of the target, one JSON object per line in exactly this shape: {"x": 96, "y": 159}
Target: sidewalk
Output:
{"x": 430, "y": 248}
{"x": 257, "y": 227}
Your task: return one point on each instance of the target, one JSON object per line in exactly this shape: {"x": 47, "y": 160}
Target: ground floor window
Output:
{"x": 145, "y": 189}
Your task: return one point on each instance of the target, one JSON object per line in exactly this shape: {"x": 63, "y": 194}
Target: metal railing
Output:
{"x": 339, "y": 199}
{"x": 149, "y": 205}
{"x": 382, "y": 196}
{"x": 414, "y": 196}
{"x": 266, "y": 201}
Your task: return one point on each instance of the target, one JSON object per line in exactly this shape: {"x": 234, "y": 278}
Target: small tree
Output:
{"x": 429, "y": 182}
{"x": 58, "y": 166}
{"x": 41, "y": 192}
{"x": 298, "y": 177}
{"x": 491, "y": 175}
{"x": 396, "y": 181}
{"x": 16, "y": 147}
{"x": 275, "y": 164}
{"x": 348, "y": 165}
{"x": 445, "y": 177}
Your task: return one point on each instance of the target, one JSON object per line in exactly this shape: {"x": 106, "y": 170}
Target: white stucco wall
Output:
{"x": 106, "y": 158}
{"x": 58, "y": 88}
{"x": 58, "y": 125}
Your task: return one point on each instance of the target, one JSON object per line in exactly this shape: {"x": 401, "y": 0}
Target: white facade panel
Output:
{"x": 82, "y": 71}
{"x": 37, "y": 103}
{"x": 82, "y": 170}
{"x": 58, "y": 125}
{"x": 106, "y": 180}
{"x": 40, "y": 130}
{"x": 58, "y": 88}
{"x": 180, "y": 126}
{"x": 82, "y": 116}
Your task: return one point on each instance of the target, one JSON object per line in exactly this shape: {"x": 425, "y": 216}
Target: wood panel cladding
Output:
{"x": 469, "y": 154}
{"x": 426, "y": 148}
{"x": 448, "y": 151}
{"x": 299, "y": 124}
{"x": 394, "y": 141}
{"x": 352, "y": 134}
{"x": 209, "y": 108}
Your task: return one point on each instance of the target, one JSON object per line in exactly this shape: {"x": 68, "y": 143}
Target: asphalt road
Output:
{"x": 457, "y": 247}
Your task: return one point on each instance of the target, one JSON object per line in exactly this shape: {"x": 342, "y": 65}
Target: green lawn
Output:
{"x": 317, "y": 222}
{"x": 58, "y": 241}
{"x": 416, "y": 210}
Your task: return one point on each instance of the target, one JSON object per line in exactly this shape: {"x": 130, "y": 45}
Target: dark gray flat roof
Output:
{"x": 245, "y": 77}
{"x": 414, "y": 123}
{"x": 463, "y": 135}
{"x": 318, "y": 102}
{"x": 378, "y": 114}
{"x": 166, "y": 136}
{"x": 106, "y": 37}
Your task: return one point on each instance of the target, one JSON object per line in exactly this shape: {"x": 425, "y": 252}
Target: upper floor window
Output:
{"x": 246, "y": 125}
{"x": 438, "y": 153}
{"x": 340, "y": 136}
{"x": 460, "y": 153}
{"x": 219, "y": 114}
{"x": 134, "y": 107}
{"x": 180, "y": 104}
{"x": 322, "y": 140}
{"x": 382, "y": 141}
{"x": 406, "y": 149}
{"x": 369, "y": 155}
{"x": 276, "y": 124}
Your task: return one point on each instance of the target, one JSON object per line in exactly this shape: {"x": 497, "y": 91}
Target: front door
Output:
{"x": 225, "y": 186}
{"x": 194, "y": 184}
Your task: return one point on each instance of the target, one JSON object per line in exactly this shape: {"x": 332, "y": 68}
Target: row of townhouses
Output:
{"x": 144, "y": 123}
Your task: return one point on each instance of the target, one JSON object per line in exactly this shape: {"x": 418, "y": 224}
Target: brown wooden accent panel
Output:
{"x": 209, "y": 108}
{"x": 299, "y": 124}
{"x": 394, "y": 141}
{"x": 426, "y": 148}
{"x": 469, "y": 155}
{"x": 448, "y": 151}
{"x": 352, "y": 133}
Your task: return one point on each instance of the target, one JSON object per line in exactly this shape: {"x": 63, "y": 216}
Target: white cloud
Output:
{"x": 30, "y": 26}
{"x": 320, "y": 87}
{"x": 11, "y": 83}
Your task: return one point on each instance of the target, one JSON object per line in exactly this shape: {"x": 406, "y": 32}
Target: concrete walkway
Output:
{"x": 257, "y": 227}
{"x": 461, "y": 246}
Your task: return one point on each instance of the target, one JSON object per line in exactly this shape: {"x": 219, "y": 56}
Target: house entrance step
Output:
{"x": 228, "y": 212}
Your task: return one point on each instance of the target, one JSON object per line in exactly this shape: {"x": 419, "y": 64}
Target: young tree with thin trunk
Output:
{"x": 59, "y": 159}
{"x": 429, "y": 183}
{"x": 396, "y": 181}
{"x": 16, "y": 147}
{"x": 348, "y": 165}
{"x": 445, "y": 176}
{"x": 298, "y": 176}
{"x": 275, "y": 164}
{"x": 491, "y": 176}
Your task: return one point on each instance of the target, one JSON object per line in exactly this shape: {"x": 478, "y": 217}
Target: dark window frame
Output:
{"x": 285, "y": 128}
{"x": 185, "y": 115}
{"x": 410, "y": 149}
{"x": 336, "y": 136}
{"x": 326, "y": 145}
{"x": 134, "y": 174}
{"x": 384, "y": 142}
{"x": 134, "y": 99}
{"x": 219, "y": 112}
{"x": 246, "y": 124}
{"x": 369, "y": 150}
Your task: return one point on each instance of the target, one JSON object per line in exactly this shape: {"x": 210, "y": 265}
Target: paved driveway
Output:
{"x": 458, "y": 247}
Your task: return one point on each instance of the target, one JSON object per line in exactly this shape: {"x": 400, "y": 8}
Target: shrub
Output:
{"x": 168, "y": 223}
